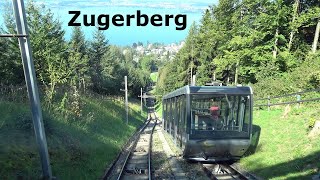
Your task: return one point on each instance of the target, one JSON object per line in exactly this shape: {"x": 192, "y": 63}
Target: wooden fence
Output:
{"x": 297, "y": 100}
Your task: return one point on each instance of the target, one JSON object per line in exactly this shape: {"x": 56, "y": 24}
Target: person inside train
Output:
{"x": 215, "y": 117}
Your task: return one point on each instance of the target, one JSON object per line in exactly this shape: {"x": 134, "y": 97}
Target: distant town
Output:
{"x": 162, "y": 51}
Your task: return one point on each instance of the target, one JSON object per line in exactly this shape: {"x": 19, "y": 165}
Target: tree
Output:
{"x": 49, "y": 48}
{"x": 11, "y": 71}
{"x": 78, "y": 59}
{"x": 113, "y": 70}
{"x": 99, "y": 47}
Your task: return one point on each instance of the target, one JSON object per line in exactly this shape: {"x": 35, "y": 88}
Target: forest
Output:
{"x": 67, "y": 69}
{"x": 79, "y": 83}
{"x": 269, "y": 45}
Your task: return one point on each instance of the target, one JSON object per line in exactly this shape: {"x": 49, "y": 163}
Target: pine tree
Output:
{"x": 11, "y": 71}
{"x": 78, "y": 60}
{"x": 49, "y": 48}
{"x": 99, "y": 47}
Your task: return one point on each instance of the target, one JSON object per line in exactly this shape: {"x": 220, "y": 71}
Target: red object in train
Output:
{"x": 214, "y": 111}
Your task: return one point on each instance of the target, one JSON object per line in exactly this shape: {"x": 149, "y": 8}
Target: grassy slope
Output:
{"x": 79, "y": 149}
{"x": 284, "y": 150}
{"x": 154, "y": 76}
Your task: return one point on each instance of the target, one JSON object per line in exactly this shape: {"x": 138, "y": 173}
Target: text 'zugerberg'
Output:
{"x": 103, "y": 21}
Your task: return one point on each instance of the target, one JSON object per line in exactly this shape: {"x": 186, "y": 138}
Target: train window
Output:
{"x": 220, "y": 113}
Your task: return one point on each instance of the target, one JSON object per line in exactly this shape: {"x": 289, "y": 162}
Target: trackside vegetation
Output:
{"x": 272, "y": 46}
{"x": 154, "y": 76}
{"x": 286, "y": 149}
{"x": 79, "y": 81}
{"x": 262, "y": 43}
{"x": 79, "y": 148}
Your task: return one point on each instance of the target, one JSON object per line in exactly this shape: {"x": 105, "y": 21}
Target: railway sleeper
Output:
{"x": 139, "y": 153}
{"x": 140, "y": 168}
{"x": 138, "y": 161}
{"x": 226, "y": 176}
{"x": 138, "y": 157}
{"x": 141, "y": 149}
{"x": 143, "y": 144}
{"x": 135, "y": 177}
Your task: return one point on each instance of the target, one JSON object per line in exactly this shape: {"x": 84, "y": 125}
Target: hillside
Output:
{"x": 79, "y": 148}
{"x": 285, "y": 149}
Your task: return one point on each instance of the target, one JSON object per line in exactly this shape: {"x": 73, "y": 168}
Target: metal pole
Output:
{"x": 193, "y": 80}
{"x": 141, "y": 100}
{"x": 299, "y": 99}
{"x": 30, "y": 77}
{"x": 126, "y": 94}
{"x": 145, "y": 99}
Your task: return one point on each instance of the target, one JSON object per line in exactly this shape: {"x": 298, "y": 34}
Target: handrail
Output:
{"x": 287, "y": 95}
{"x": 302, "y": 92}
{"x": 291, "y": 102}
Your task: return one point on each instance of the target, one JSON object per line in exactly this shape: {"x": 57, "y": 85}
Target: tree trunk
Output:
{"x": 275, "y": 47}
{"x": 236, "y": 73}
{"x": 295, "y": 14}
{"x": 316, "y": 37}
{"x": 191, "y": 74}
{"x": 228, "y": 75}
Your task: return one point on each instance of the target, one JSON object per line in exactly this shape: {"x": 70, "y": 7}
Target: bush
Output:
{"x": 306, "y": 76}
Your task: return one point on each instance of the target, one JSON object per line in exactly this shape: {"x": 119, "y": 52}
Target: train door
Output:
{"x": 178, "y": 119}
{"x": 183, "y": 121}
{"x": 175, "y": 121}
{"x": 180, "y": 125}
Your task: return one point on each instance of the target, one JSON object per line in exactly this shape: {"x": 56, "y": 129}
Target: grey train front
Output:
{"x": 209, "y": 123}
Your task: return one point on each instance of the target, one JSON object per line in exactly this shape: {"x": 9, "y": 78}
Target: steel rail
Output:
{"x": 228, "y": 171}
{"x": 108, "y": 173}
{"x": 150, "y": 146}
{"x": 241, "y": 175}
{"x": 132, "y": 148}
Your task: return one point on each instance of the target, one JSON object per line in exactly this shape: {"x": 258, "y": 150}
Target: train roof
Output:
{"x": 209, "y": 90}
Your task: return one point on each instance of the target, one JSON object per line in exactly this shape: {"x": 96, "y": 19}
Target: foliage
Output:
{"x": 248, "y": 42}
{"x": 303, "y": 77}
{"x": 98, "y": 48}
{"x": 72, "y": 66}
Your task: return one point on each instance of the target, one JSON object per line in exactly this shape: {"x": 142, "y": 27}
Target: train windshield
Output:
{"x": 224, "y": 115}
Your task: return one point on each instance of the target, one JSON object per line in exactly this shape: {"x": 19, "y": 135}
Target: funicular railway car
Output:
{"x": 209, "y": 123}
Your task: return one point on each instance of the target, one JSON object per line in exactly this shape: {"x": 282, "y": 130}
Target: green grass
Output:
{"x": 282, "y": 147}
{"x": 285, "y": 151}
{"x": 158, "y": 108}
{"x": 79, "y": 149}
{"x": 154, "y": 76}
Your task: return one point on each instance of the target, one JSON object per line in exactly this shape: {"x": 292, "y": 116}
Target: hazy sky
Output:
{"x": 127, "y": 35}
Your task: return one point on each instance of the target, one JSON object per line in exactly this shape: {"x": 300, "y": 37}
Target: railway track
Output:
{"x": 225, "y": 172}
{"x": 137, "y": 164}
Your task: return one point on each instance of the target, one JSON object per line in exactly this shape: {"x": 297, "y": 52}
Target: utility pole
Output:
{"x": 30, "y": 78}
{"x": 316, "y": 37}
{"x": 141, "y": 100}
{"x": 126, "y": 94}
{"x": 193, "y": 83}
{"x": 145, "y": 99}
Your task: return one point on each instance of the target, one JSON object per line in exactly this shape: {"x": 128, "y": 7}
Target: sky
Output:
{"x": 126, "y": 35}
